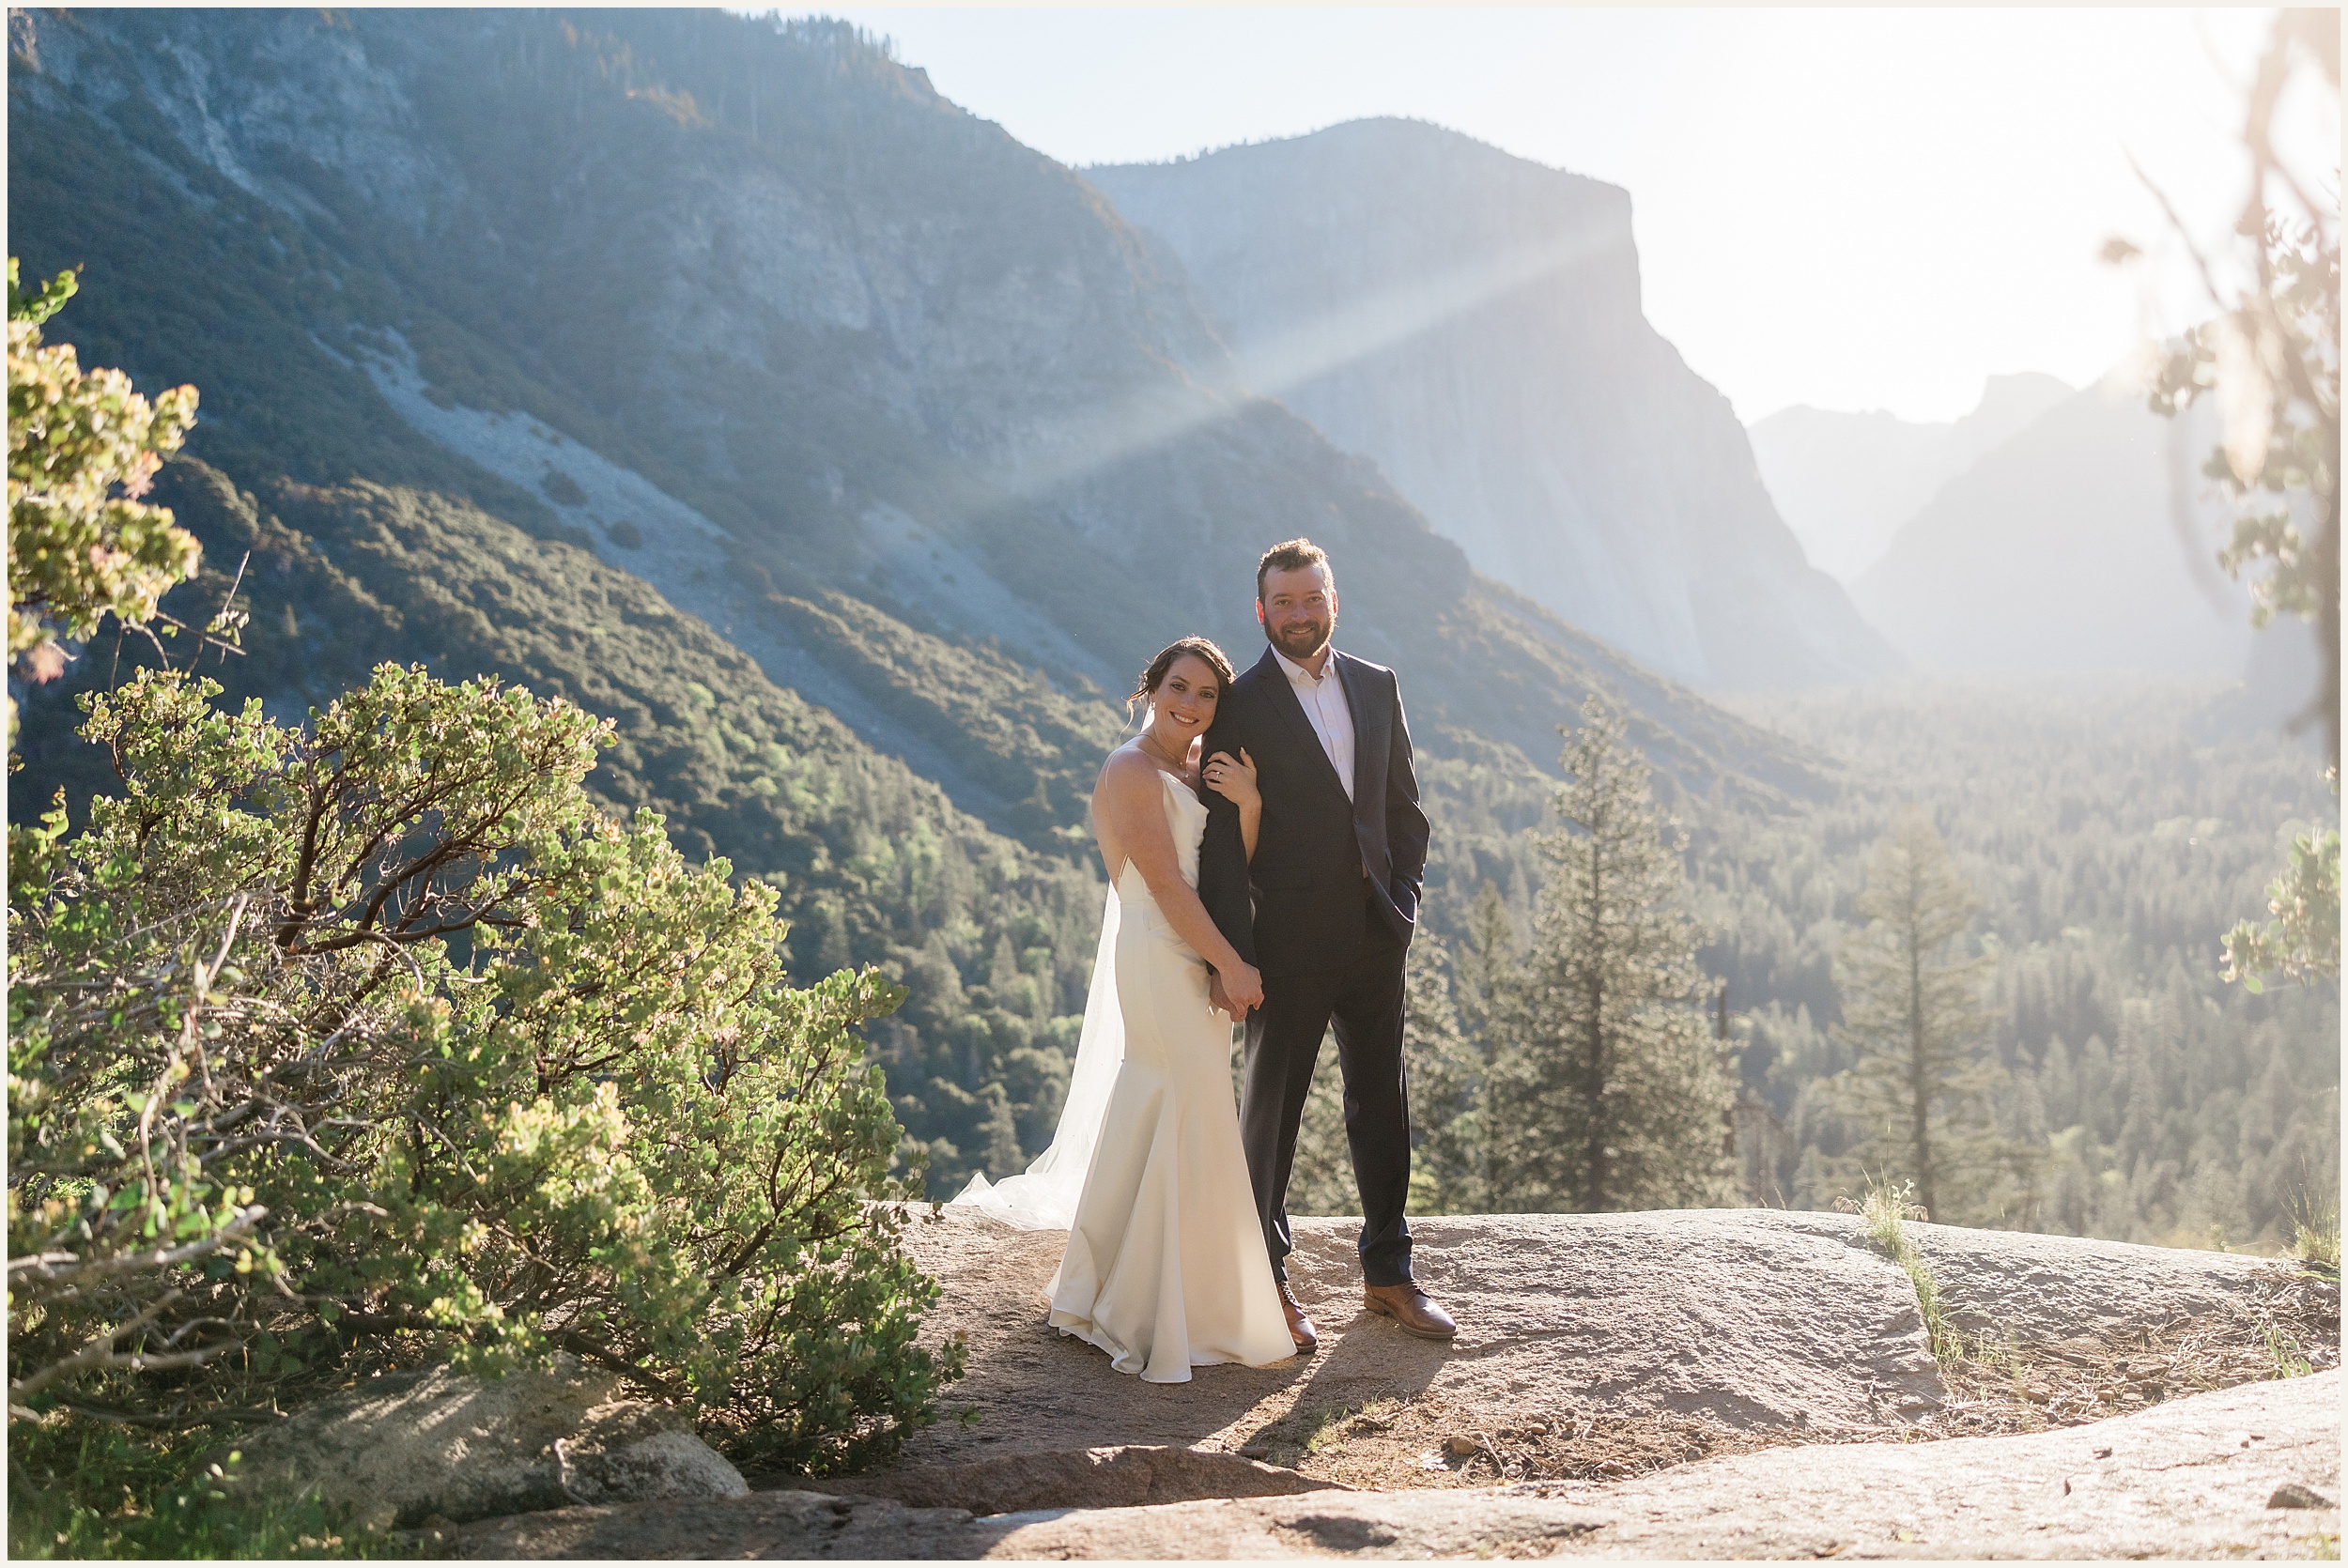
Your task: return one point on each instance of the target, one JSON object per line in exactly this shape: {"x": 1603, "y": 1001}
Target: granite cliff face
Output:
{"x": 1472, "y": 322}
{"x": 1696, "y": 1384}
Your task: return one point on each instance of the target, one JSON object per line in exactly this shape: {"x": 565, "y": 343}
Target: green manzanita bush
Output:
{"x": 83, "y": 448}
{"x": 373, "y": 1040}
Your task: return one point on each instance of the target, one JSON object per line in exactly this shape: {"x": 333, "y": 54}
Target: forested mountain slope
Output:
{"x": 885, "y": 350}
{"x": 874, "y": 865}
{"x": 722, "y": 376}
{"x": 1471, "y": 321}
{"x": 2113, "y": 829}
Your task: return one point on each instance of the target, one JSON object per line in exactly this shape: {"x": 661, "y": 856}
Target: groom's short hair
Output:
{"x": 1292, "y": 555}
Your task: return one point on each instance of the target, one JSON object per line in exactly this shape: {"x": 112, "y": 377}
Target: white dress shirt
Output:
{"x": 1332, "y": 717}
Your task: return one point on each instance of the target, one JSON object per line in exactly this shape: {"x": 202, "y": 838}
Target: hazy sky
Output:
{"x": 1852, "y": 209}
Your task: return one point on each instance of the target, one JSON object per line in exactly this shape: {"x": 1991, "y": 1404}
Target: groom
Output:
{"x": 1334, "y": 890}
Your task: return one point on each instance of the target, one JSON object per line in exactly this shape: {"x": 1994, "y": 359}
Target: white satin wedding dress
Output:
{"x": 1165, "y": 1267}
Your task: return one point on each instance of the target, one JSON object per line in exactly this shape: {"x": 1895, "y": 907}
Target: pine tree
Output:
{"x": 1915, "y": 1019}
{"x": 1605, "y": 1092}
{"x": 1480, "y": 968}
{"x": 1484, "y": 959}
{"x": 999, "y": 1133}
{"x": 1445, "y": 1078}
{"x": 1447, "y": 1084}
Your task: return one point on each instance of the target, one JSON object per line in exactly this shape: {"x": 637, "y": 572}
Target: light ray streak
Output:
{"x": 1069, "y": 450}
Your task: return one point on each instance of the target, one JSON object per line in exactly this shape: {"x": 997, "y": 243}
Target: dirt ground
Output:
{"x": 1626, "y": 1384}
{"x": 2250, "y": 1472}
{"x": 2287, "y": 1321}
{"x": 1598, "y": 1348}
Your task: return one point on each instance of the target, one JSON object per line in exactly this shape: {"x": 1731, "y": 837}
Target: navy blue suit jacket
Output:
{"x": 1300, "y": 906}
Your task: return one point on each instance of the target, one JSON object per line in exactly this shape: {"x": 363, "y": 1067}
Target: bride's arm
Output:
{"x": 1132, "y": 801}
{"x": 1235, "y": 782}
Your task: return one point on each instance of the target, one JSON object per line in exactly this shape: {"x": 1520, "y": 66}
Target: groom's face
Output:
{"x": 1299, "y": 610}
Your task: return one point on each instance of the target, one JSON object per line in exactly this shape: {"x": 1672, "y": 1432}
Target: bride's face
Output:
{"x": 1182, "y": 705}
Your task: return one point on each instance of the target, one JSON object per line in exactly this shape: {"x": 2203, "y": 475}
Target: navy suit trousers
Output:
{"x": 1363, "y": 1001}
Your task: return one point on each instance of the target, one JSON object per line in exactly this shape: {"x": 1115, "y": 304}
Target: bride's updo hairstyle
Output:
{"x": 1197, "y": 647}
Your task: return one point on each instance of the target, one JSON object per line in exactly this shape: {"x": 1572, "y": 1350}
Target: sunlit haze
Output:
{"x": 1848, "y": 209}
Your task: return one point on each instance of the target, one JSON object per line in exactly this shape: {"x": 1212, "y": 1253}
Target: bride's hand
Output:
{"x": 1243, "y": 986}
{"x": 1220, "y": 1003}
{"x": 1234, "y": 781}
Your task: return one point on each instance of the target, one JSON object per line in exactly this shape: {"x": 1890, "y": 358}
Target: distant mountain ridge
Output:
{"x": 1845, "y": 483}
{"x": 1471, "y": 321}
{"x": 2047, "y": 530}
{"x": 2087, "y": 541}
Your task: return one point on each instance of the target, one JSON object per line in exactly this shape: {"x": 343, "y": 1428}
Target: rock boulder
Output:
{"x": 2192, "y": 1478}
{"x": 1789, "y": 1339}
{"x": 399, "y": 1449}
{"x": 1756, "y": 1318}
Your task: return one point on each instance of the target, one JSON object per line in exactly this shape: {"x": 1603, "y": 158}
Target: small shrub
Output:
{"x": 1885, "y": 1211}
{"x": 83, "y": 448}
{"x": 2315, "y": 1234}
{"x": 80, "y": 1488}
{"x": 561, "y": 489}
{"x": 374, "y": 1040}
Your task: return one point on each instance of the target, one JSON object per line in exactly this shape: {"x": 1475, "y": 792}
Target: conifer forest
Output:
{"x": 2100, "y": 839}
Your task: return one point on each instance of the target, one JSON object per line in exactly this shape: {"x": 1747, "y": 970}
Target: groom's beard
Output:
{"x": 1300, "y": 639}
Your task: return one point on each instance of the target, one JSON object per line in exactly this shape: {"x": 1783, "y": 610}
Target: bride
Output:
{"x": 1165, "y": 1267}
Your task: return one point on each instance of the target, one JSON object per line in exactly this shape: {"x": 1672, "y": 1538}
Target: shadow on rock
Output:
{"x": 1088, "y": 1478}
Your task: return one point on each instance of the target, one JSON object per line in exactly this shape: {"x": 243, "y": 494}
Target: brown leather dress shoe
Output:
{"x": 1411, "y": 1310}
{"x": 1300, "y": 1327}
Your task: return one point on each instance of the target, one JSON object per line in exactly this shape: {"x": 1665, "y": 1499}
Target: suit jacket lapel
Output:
{"x": 1284, "y": 701}
{"x": 1357, "y": 697}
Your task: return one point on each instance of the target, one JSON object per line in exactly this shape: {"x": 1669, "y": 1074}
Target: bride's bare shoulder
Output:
{"x": 1128, "y": 775}
{"x": 1124, "y": 761}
